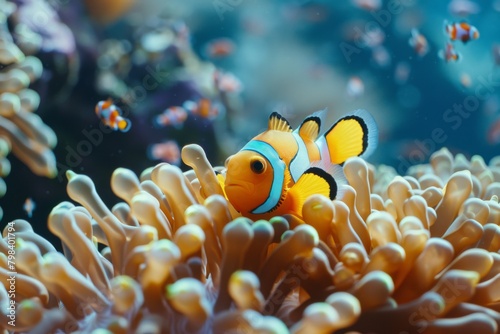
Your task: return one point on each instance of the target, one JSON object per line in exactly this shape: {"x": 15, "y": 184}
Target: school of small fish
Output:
{"x": 457, "y": 31}
{"x": 274, "y": 172}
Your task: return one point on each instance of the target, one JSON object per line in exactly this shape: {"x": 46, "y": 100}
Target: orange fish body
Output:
{"x": 203, "y": 108}
{"x": 279, "y": 169}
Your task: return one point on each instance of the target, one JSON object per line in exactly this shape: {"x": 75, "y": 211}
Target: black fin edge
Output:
{"x": 327, "y": 177}
{"x": 279, "y": 117}
{"x": 363, "y": 125}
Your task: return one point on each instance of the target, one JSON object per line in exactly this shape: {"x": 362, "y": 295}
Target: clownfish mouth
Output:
{"x": 246, "y": 186}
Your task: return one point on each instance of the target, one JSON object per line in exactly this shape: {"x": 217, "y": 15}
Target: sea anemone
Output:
{"x": 411, "y": 254}
{"x": 21, "y": 131}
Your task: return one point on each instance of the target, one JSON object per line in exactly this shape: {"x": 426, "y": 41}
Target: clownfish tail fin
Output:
{"x": 353, "y": 135}
{"x": 124, "y": 124}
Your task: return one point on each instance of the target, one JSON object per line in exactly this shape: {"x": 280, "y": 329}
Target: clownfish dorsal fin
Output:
{"x": 279, "y": 123}
{"x": 323, "y": 178}
{"x": 310, "y": 127}
{"x": 108, "y": 103}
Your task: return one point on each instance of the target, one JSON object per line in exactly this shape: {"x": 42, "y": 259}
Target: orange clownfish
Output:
{"x": 279, "y": 169}
{"x": 111, "y": 115}
{"x": 418, "y": 42}
{"x": 203, "y": 108}
{"x": 461, "y": 31}
{"x": 449, "y": 53}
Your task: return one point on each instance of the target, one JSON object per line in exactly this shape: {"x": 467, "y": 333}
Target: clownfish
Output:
{"x": 218, "y": 48}
{"x": 227, "y": 82}
{"x": 173, "y": 116}
{"x": 276, "y": 171}
{"x": 29, "y": 206}
{"x": 449, "y": 53}
{"x": 203, "y": 108}
{"x": 167, "y": 151}
{"x": 111, "y": 116}
{"x": 461, "y": 31}
{"x": 419, "y": 43}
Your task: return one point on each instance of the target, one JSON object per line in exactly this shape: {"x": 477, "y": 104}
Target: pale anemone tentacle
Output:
{"x": 175, "y": 261}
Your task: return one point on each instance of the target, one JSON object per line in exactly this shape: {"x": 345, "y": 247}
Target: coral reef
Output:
{"x": 415, "y": 254}
{"x": 21, "y": 131}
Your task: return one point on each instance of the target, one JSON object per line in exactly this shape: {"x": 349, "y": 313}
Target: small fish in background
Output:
{"x": 111, "y": 116}
{"x": 381, "y": 56}
{"x": 373, "y": 37}
{"x": 493, "y": 133}
{"x": 276, "y": 171}
{"x": 168, "y": 151}
{"x": 173, "y": 116}
{"x": 219, "y": 48}
{"x": 419, "y": 43}
{"x": 368, "y": 5}
{"x": 449, "y": 53}
{"x": 495, "y": 50}
{"x": 227, "y": 82}
{"x": 465, "y": 80}
{"x": 203, "y": 108}
{"x": 402, "y": 72}
{"x": 355, "y": 87}
{"x": 463, "y": 8}
{"x": 462, "y": 31}
{"x": 29, "y": 206}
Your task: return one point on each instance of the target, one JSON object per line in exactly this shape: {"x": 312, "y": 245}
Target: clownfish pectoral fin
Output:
{"x": 310, "y": 127}
{"x": 318, "y": 179}
{"x": 279, "y": 123}
{"x": 221, "y": 180}
{"x": 352, "y": 135}
{"x": 124, "y": 124}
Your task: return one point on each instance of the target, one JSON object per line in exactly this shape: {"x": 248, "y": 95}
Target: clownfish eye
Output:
{"x": 257, "y": 165}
